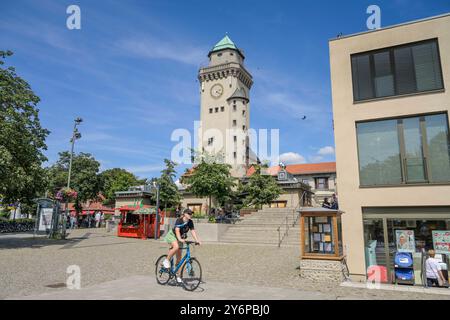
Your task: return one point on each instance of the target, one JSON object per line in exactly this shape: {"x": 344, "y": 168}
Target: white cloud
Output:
{"x": 315, "y": 159}
{"x": 326, "y": 151}
{"x": 152, "y": 48}
{"x": 292, "y": 158}
{"x": 145, "y": 168}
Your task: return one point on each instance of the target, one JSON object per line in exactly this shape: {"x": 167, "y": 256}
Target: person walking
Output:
{"x": 97, "y": 219}
{"x": 73, "y": 220}
{"x": 433, "y": 270}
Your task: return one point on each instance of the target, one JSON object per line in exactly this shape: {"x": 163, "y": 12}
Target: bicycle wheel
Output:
{"x": 162, "y": 274}
{"x": 191, "y": 274}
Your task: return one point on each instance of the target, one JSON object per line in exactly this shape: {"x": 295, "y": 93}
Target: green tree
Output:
{"x": 260, "y": 189}
{"x": 84, "y": 177}
{"x": 114, "y": 180}
{"x": 212, "y": 180}
{"x": 169, "y": 195}
{"x": 22, "y": 139}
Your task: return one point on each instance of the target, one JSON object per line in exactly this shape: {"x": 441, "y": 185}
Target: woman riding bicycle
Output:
{"x": 178, "y": 235}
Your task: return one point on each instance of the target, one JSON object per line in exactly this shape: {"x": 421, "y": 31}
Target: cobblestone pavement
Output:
{"x": 35, "y": 266}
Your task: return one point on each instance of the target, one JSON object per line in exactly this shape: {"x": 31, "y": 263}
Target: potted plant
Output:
{"x": 66, "y": 195}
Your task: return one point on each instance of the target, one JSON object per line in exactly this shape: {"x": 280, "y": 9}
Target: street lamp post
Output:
{"x": 156, "y": 185}
{"x": 75, "y": 135}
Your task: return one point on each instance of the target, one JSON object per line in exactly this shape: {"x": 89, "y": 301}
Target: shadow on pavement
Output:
{"x": 13, "y": 242}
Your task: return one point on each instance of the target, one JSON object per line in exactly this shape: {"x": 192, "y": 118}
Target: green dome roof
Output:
{"x": 225, "y": 43}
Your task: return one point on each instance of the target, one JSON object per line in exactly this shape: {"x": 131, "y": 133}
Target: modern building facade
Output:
{"x": 391, "y": 109}
{"x": 225, "y": 106}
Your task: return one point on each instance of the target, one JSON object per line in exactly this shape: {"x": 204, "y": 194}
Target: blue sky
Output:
{"x": 131, "y": 71}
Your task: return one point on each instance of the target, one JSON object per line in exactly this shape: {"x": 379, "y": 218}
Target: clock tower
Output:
{"x": 225, "y": 106}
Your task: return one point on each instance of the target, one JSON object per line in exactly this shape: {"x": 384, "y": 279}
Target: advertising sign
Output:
{"x": 45, "y": 221}
{"x": 405, "y": 241}
{"x": 441, "y": 241}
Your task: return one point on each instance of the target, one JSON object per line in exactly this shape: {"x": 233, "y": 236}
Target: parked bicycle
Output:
{"x": 191, "y": 270}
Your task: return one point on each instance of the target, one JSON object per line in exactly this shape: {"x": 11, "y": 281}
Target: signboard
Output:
{"x": 441, "y": 241}
{"x": 405, "y": 241}
{"x": 45, "y": 221}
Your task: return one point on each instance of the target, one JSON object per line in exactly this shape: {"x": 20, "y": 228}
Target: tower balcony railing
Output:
{"x": 222, "y": 66}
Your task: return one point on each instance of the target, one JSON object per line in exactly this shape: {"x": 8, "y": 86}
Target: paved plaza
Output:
{"x": 123, "y": 268}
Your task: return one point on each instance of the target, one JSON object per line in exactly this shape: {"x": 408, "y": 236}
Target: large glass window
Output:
{"x": 438, "y": 147}
{"x": 379, "y": 153}
{"x": 380, "y": 249}
{"x": 399, "y": 70}
{"x": 405, "y": 150}
{"x": 374, "y": 248}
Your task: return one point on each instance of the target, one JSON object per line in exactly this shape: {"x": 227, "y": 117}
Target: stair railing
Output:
{"x": 295, "y": 217}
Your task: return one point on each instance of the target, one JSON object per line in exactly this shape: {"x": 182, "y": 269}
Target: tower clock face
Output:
{"x": 216, "y": 91}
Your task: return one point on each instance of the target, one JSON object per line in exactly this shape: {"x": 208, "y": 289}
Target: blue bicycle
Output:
{"x": 191, "y": 271}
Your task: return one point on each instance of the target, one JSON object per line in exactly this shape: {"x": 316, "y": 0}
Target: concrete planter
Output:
{"x": 210, "y": 232}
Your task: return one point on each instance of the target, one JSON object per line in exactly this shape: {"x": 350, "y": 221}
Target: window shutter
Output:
{"x": 384, "y": 78}
{"x": 426, "y": 66}
{"x": 404, "y": 71}
{"x": 362, "y": 77}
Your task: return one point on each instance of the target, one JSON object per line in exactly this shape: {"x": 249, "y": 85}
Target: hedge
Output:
{"x": 18, "y": 225}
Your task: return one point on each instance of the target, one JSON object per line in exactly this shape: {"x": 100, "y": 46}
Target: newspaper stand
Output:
{"x": 139, "y": 222}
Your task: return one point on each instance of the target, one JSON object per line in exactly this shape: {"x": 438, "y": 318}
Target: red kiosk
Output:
{"x": 139, "y": 222}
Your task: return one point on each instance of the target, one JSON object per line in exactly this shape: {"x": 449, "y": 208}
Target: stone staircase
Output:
{"x": 261, "y": 228}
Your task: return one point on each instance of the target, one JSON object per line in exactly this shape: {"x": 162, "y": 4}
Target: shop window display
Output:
{"x": 412, "y": 237}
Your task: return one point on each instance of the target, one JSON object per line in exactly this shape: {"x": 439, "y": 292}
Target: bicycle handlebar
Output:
{"x": 191, "y": 242}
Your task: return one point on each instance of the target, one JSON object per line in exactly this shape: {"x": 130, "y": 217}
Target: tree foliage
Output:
{"x": 169, "y": 195}
{"x": 22, "y": 139}
{"x": 84, "y": 177}
{"x": 114, "y": 180}
{"x": 212, "y": 180}
{"x": 260, "y": 189}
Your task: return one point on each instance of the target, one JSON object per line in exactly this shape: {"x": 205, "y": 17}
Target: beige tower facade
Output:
{"x": 225, "y": 106}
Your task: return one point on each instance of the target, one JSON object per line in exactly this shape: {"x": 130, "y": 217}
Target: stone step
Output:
{"x": 267, "y": 219}
{"x": 256, "y": 228}
{"x": 264, "y": 231}
{"x": 258, "y": 238}
{"x": 265, "y": 242}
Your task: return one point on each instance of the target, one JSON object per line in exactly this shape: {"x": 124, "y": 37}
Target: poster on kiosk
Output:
{"x": 441, "y": 241}
{"x": 405, "y": 241}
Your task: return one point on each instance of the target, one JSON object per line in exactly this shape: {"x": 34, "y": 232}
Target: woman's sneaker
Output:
{"x": 179, "y": 280}
{"x": 166, "y": 264}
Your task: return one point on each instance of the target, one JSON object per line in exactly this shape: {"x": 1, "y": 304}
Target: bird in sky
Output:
{"x": 304, "y": 117}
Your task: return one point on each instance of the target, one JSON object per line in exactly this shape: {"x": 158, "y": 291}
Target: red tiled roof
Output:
{"x": 304, "y": 168}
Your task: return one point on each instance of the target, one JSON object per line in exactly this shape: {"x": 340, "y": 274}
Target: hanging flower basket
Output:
{"x": 66, "y": 194}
